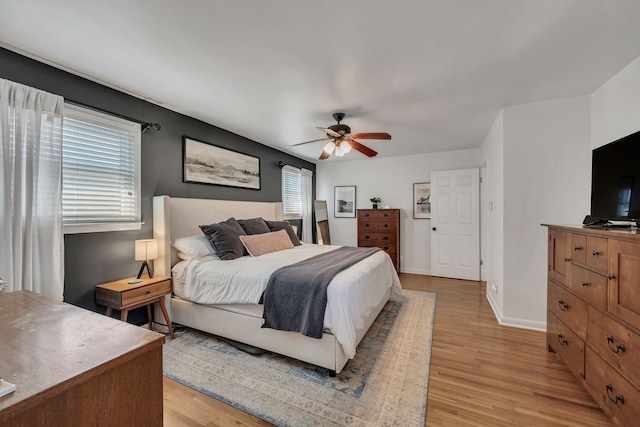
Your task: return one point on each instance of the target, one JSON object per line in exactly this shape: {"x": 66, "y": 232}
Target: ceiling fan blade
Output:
{"x": 362, "y": 148}
{"x": 307, "y": 142}
{"x": 374, "y": 135}
{"x": 329, "y": 131}
{"x": 324, "y": 155}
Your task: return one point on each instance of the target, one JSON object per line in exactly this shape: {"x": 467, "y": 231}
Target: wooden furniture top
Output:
{"x": 617, "y": 233}
{"x": 48, "y": 345}
{"x": 123, "y": 285}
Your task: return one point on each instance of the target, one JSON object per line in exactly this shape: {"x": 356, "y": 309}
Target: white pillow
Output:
{"x": 195, "y": 246}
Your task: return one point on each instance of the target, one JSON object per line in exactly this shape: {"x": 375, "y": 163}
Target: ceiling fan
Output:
{"x": 341, "y": 140}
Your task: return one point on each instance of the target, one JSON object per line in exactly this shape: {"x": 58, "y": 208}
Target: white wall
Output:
{"x": 547, "y": 179}
{"x": 391, "y": 179}
{"x": 615, "y": 107}
{"x": 491, "y": 214}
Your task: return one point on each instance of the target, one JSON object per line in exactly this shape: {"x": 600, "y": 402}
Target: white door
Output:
{"x": 455, "y": 224}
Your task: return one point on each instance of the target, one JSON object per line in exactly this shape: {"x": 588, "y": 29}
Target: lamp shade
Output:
{"x": 146, "y": 249}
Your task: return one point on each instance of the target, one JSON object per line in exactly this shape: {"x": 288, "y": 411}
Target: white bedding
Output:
{"x": 351, "y": 295}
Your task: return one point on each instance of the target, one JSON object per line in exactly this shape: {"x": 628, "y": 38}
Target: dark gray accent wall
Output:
{"x": 95, "y": 258}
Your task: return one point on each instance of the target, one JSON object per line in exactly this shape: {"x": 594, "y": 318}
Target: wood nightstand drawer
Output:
{"x": 570, "y": 309}
{"x": 124, "y": 296}
{"x": 138, "y": 295}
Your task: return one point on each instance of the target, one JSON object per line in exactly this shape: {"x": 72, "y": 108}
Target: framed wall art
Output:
{"x": 422, "y": 200}
{"x": 206, "y": 163}
{"x": 344, "y": 204}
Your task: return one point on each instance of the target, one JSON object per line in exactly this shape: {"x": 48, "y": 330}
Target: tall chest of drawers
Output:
{"x": 593, "y": 313}
{"x": 380, "y": 228}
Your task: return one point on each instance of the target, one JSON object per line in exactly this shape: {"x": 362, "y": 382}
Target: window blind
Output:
{"x": 291, "y": 192}
{"x": 100, "y": 168}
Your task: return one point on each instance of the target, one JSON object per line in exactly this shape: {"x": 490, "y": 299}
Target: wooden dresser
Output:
{"x": 593, "y": 313}
{"x": 73, "y": 367}
{"x": 380, "y": 228}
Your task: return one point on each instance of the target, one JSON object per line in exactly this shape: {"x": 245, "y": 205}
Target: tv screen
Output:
{"x": 615, "y": 179}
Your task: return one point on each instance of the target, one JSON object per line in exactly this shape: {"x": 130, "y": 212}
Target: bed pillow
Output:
{"x": 260, "y": 244}
{"x": 225, "y": 238}
{"x": 284, "y": 225}
{"x": 195, "y": 246}
{"x": 254, "y": 226}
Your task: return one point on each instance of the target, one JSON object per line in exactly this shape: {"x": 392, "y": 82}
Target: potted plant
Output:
{"x": 375, "y": 201}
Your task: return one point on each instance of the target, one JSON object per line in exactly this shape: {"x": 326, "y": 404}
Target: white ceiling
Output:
{"x": 432, "y": 73}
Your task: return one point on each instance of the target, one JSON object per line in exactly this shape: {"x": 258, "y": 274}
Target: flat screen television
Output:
{"x": 615, "y": 180}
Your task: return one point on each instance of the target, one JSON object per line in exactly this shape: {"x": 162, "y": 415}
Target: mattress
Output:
{"x": 238, "y": 284}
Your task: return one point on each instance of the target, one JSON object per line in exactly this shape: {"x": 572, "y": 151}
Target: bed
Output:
{"x": 179, "y": 217}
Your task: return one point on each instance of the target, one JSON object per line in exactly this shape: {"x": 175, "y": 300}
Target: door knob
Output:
{"x": 434, "y": 229}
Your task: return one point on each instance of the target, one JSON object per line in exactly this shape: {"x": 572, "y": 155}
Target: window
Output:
{"x": 100, "y": 172}
{"x": 291, "y": 192}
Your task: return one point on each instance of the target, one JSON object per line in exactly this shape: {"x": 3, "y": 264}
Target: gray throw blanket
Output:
{"x": 295, "y": 298}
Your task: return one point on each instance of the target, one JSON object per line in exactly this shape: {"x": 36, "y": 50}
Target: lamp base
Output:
{"x": 149, "y": 271}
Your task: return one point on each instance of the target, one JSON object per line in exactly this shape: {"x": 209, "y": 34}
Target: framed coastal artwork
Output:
{"x": 344, "y": 203}
{"x": 422, "y": 200}
{"x": 206, "y": 163}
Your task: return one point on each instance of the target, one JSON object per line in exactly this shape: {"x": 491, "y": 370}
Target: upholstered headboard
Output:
{"x": 178, "y": 217}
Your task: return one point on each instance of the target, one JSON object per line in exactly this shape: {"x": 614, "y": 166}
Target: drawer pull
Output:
{"x": 385, "y": 238}
{"x": 148, "y": 292}
{"x": 617, "y": 399}
{"x": 584, "y": 284}
{"x": 577, "y": 248}
{"x": 366, "y": 237}
{"x": 595, "y": 253}
{"x": 386, "y": 248}
{"x": 616, "y": 348}
{"x": 611, "y": 276}
{"x": 386, "y": 225}
{"x": 386, "y": 215}
{"x": 562, "y": 340}
{"x": 366, "y": 225}
{"x": 563, "y": 305}
{"x": 567, "y": 259}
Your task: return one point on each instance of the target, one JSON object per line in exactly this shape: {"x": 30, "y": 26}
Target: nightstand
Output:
{"x": 125, "y": 296}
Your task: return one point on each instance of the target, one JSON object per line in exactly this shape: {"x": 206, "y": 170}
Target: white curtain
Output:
{"x": 31, "y": 246}
{"x": 307, "y": 198}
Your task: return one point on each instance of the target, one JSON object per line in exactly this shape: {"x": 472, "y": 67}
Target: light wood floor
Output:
{"x": 482, "y": 374}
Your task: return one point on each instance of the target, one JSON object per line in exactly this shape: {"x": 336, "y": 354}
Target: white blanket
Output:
{"x": 351, "y": 295}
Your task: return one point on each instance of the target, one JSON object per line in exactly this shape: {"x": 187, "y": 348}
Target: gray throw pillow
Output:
{"x": 284, "y": 225}
{"x": 254, "y": 226}
{"x": 225, "y": 238}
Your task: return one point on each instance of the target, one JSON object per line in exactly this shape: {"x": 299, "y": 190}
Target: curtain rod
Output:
{"x": 145, "y": 125}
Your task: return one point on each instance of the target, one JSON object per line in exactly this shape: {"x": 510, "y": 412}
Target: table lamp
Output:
{"x": 146, "y": 249}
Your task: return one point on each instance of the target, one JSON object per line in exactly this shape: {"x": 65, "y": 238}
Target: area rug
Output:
{"x": 385, "y": 384}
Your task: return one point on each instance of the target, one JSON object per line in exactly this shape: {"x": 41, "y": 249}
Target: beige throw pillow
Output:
{"x": 260, "y": 244}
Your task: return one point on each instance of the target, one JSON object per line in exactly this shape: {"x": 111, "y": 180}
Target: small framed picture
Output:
{"x": 344, "y": 203}
{"x": 422, "y": 200}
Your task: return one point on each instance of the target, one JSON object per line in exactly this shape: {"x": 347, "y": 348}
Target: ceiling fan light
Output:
{"x": 329, "y": 147}
{"x": 346, "y": 147}
{"x": 339, "y": 152}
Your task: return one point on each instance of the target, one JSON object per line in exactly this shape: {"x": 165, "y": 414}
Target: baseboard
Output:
{"x": 513, "y": 321}
{"x": 416, "y": 271}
